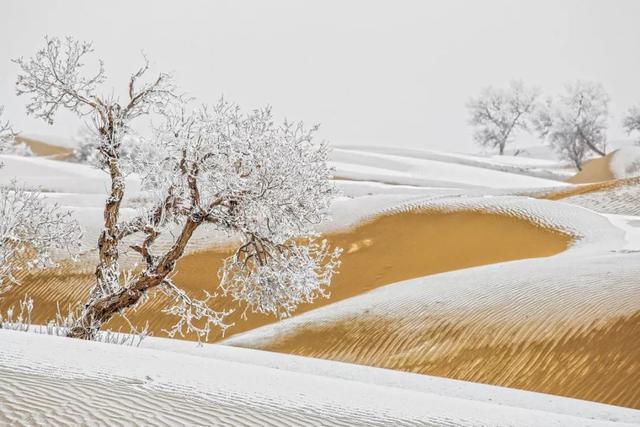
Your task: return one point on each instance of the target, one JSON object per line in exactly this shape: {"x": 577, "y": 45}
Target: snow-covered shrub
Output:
{"x": 31, "y": 231}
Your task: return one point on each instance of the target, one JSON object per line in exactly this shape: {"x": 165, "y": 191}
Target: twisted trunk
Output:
{"x": 107, "y": 270}
{"x": 101, "y": 310}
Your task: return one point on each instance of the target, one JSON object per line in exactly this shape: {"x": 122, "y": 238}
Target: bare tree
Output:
{"x": 498, "y": 113}
{"x": 31, "y": 231}
{"x": 631, "y": 122}
{"x": 575, "y": 123}
{"x": 264, "y": 183}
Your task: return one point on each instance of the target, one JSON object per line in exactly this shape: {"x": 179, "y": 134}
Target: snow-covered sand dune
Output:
{"x": 620, "y": 197}
{"x": 556, "y": 325}
{"x": 400, "y": 244}
{"x": 435, "y": 169}
{"x": 567, "y": 324}
{"x": 57, "y": 381}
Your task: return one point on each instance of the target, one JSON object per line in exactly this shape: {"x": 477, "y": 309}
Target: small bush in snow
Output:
{"x": 31, "y": 231}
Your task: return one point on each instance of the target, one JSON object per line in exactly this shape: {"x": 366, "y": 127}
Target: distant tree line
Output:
{"x": 573, "y": 123}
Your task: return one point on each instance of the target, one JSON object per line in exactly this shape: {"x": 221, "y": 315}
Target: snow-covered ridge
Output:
{"x": 473, "y": 170}
{"x": 426, "y": 168}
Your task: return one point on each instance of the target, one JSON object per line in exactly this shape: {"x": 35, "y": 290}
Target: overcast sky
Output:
{"x": 377, "y": 73}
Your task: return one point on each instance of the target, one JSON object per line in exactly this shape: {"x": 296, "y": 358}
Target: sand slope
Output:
{"x": 514, "y": 324}
{"x": 621, "y": 163}
{"x": 383, "y": 250}
{"x": 620, "y": 196}
{"x": 41, "y": 148}
{"x": 557, "y": 325}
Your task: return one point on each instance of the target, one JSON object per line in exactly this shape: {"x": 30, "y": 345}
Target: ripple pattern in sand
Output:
{"x": 562, "y": 325}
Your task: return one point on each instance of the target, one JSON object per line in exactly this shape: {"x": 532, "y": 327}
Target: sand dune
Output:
{"x": 556, "y": 326}
{"x": 427, "y": 168}
{"x": 386, "y": 249}
{"x": 620, "y": 196}
{"x": 621, "y": 163}
{"x": 40, "y": 148}
{"x": 594, "y": 170}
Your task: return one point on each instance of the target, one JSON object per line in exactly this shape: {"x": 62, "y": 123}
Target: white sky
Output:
{"x": 378, "y": 73}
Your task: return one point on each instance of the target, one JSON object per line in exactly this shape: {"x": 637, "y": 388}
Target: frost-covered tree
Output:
{"x": 264, "y": 183}
{"x": 575, "y": 123}
{"x": 87, "y": 142}
{"x": 7, "y": 135}
{"x": 497, "y": 114}
{"x": 8, "y": 142}
{"x": 631, "y": 121}
{"x": 31, "y": 231}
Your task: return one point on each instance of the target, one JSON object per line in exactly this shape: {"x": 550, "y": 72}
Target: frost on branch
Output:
{"x": 193, "y": 315}
{"x": 132, "y": 150}
{"x": 244, "y": 173}
{"x": 31, "y": 232}
{"x": 275, "y": 279}
{"x": 53, "y": 78}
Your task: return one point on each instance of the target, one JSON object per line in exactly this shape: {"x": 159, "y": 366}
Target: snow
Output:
{"x": 631, "y": 227}
{"x": 44, "y": 377}
{"x": 625, "y": 162}
{"x": 51, "y": 176}
{"x": 444, "y": 171}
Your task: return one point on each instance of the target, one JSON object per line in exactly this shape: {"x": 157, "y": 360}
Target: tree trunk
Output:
{"x": 107, "y": 270}
{"x": 578, "y": 164}
{"x": 100, "y": 311}
{"x": 591, "y": 146}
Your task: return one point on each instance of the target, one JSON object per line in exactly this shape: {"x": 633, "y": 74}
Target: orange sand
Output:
{"x": 386, "y": 250}
{"x": 589, "y": 188}
{"x": 40, "y": 148}
{"x": 594, "y": 170}
{"x": 591, "y": 362}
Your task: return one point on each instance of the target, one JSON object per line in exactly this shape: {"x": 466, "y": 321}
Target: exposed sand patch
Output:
{"x": 559, "y": 325}
{"x": 594, "y": 170}
{"x": 43, "y": 149}
{"x": 594, "y": 362}
{"x": 581, "y": 189}
{"x": 385, "y": 250}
